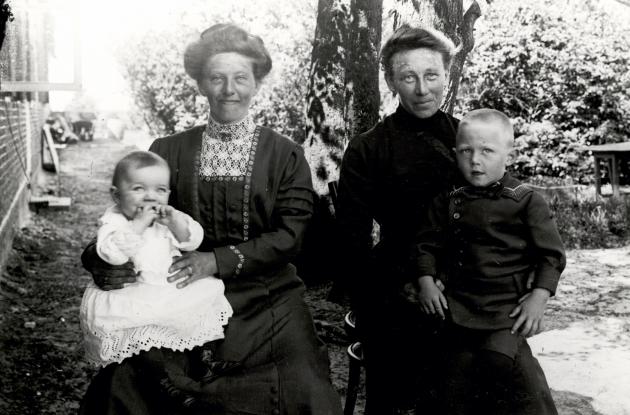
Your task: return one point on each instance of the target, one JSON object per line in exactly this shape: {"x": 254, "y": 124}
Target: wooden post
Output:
{"x": 598, "y": 177}
{"x": 614, "y": 176}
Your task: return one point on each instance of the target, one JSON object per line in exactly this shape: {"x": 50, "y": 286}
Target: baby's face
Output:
{"x": 482, "y": 150}
{"x": 143, "y": 187}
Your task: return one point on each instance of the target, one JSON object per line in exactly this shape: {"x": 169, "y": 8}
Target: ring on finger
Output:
{"x": 189, "y": 271}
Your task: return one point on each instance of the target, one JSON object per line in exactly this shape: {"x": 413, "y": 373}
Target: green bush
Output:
{"x": 560, "y": 71}
{"x": 586, "y": 223}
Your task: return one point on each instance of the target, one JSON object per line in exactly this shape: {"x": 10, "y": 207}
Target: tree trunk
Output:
{"x": 326, "y": 135}
{"x": 362, "y": 91}
{"x": 343, "y": 98}
{"x": 5, "y": 16}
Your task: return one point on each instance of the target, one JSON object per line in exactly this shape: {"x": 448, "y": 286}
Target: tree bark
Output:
{"x": 326, "y": 134}
{"x": 343, "y": 98}
{"x": 362, "y": 89}
{"x": 5, "y": 16}
{"x": 465, "y": 41}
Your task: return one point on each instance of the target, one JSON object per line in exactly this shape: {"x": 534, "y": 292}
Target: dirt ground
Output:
{"x": 43, "y": 371}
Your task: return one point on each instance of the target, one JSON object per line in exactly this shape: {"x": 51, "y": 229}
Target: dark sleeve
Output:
{"x": 430, "y": 240}
{"x": 546, "y": 241}
{"x": 157, "y": 148}
{"x": 291, "y": 214}
{"x": 161, "y": 147}
{"x": 89, "y": 255}
{"x": 354, "y": 209}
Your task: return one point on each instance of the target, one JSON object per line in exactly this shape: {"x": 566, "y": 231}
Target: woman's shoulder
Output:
{"x": 449, "y": 121}
{"x": 273, "y": 139}
{"x": 370, "y": 139}
{"x": 180, "y": 138}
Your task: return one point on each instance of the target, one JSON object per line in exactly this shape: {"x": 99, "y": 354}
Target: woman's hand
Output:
{"x": 430, "y": 296}
{"x": 192, "y": 266}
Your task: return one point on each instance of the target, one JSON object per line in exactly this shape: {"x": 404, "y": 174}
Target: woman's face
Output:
{"x": 418, "y": 77}
{"x": 228, "y": 81}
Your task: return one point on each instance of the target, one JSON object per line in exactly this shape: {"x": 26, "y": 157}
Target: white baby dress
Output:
{"x": 150, "y": 312}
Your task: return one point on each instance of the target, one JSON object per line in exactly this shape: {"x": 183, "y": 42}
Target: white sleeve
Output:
{"x": 194, "y": 240}
{"x": 116, "y": 243}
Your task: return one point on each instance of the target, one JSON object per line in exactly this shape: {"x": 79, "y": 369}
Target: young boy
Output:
{"x": 495, "y": 248}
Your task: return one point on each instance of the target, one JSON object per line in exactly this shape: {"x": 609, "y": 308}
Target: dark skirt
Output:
{"x": 282, "y": 367}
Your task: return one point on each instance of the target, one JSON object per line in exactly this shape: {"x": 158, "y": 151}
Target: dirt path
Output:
{"x": 43, "y": 371}
{"x": 42, "y": 360}
{"x": 586, "y": 352}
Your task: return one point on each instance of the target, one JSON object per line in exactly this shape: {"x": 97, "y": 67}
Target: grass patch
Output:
{"x": 586, "y": 220}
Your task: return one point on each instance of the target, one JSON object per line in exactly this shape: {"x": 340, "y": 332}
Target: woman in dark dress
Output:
{"x": 251, "y": 190}
{"x": 390, "y": 174}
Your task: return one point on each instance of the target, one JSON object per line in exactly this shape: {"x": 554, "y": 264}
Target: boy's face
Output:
{"x": 482, "y": 150}
{"x": 143, "y": 187}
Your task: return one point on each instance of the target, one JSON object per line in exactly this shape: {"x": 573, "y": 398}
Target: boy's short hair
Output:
{"x": 489, "y": 115}
{"x": 136, "y": 160}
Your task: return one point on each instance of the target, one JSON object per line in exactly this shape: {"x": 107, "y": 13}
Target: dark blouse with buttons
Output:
{"x": 486, "y": 243}
{"x": 389, "y": 175}
{"x": 254, "y": 223}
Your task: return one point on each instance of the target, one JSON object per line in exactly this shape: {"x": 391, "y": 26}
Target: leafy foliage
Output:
{"x": 590, "y": 222}
{"x": 560, "y": 71}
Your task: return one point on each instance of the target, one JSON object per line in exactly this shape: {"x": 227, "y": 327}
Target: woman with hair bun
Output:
{"x": 250, "y": 189}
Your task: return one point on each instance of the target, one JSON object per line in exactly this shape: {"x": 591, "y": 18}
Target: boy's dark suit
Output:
{"x": 491, "y": 246}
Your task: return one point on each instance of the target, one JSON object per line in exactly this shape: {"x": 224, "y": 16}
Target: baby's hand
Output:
{"x": 168, "y": 215}
{"x": 144, "y": 217}
{"x": 530, "y": 312}
{"x": 174, "y": 220}
{"x": 430, "y": 296}
{"x": 164, "y": 214}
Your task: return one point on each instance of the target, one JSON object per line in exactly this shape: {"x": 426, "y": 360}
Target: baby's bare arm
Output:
{"x": 175, "y": 221}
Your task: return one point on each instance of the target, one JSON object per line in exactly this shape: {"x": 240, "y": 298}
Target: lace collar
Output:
{"x": 230, "y": 131}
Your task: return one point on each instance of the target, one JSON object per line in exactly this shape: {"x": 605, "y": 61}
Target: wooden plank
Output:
{"x": 49, "y": 201}
{"x": 51, "y": 147}
{"x": 24, "y": 86}
{"x": 613, "y": 147}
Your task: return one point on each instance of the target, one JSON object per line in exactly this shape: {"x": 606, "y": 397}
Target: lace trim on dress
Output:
{"x": 225, "y": 149}
{"x": 113, "y": 347}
